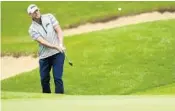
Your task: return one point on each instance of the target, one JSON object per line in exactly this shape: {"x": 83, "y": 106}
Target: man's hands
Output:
{"x": 60, "y": 48}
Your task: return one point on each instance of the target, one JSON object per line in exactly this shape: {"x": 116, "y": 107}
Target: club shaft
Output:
{"x": 67, "y": 57}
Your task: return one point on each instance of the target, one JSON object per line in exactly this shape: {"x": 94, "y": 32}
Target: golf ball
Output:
{"x": 119, "y": 9}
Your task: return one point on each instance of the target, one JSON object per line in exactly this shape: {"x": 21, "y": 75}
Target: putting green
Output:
{"x": 92, "y": 103}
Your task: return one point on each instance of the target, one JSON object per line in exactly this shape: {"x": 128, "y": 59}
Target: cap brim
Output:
{"x": 34, "y": 9}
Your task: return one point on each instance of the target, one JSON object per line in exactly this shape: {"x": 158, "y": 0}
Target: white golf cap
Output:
{"x": 31, "y": 8}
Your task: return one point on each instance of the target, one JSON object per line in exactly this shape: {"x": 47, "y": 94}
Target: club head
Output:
{"x": 70, "y": 63}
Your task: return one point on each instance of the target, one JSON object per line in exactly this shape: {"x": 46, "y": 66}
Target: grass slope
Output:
{"x": 162, "y": 90}
{"x": 124, "y": 60}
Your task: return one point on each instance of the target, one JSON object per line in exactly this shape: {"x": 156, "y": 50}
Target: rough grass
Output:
{"x": 72, "y": 14}
{"x": 120, "y": 61}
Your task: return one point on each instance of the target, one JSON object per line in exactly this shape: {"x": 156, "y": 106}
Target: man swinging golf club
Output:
{"x": 46, "y": 30}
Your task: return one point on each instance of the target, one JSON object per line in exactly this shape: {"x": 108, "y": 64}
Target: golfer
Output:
{"x": 46, "y": 30}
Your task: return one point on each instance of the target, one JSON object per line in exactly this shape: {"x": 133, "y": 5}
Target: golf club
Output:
{"x": 70, "y": 63}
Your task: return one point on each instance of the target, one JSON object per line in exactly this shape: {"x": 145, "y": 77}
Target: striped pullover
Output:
{"x": 46, "y": 31}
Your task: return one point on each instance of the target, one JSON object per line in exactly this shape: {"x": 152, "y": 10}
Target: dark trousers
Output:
{"x": 56, "y": 62}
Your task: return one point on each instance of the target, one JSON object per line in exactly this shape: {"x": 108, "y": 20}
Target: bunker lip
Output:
{"x": 12, "y": 66}
{"x": 114, "y": 17}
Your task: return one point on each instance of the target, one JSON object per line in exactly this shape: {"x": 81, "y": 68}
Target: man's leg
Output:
{"x": 45, "y": 68}
{"x": 58, "y": 65}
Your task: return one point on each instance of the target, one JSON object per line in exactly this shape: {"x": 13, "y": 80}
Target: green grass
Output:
{"x": 123, "y": 61}
{"x": 18, "y": 46}
{"x": 22, "y": 95}
{"x": 91, "y": 103}
{"x": 162, "y": 90}
{"x": 70, "y": 13}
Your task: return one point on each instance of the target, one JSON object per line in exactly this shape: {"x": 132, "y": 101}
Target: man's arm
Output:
{"x": 59, "y": 33}
{"x": 47, "y": 44}
{"x": 36, "y": 36}
{"x": 58, "y": 30}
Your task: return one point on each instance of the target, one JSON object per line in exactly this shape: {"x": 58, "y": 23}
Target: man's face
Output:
{"x": 36, "y": 14}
